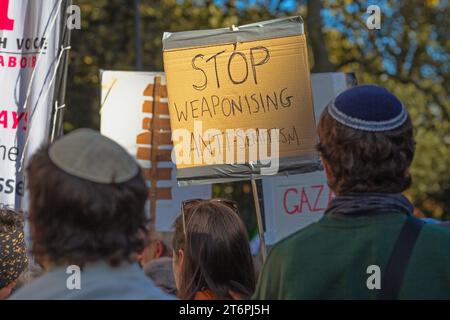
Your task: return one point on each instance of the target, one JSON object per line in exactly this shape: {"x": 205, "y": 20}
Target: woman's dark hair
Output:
{"x": 217, "y": 254}
{"x": 77, "y": 221}
{"x": 362, "y": 161}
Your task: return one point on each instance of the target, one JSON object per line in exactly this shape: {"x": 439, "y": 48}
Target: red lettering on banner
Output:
{"x": 17, "y": 119}
{"x": 13, "y": 120}
{"x": 320, "y": 187}
{"x": 23, "y": 62}
{"x": 4, "y": 119}
{"x": 12, "y": 62}
{"x": 24, "y": 128}
{"x": 5, "y": 22}
{"x": 284, "y": 201}
{"x": 303, "y": 202}
{"x": 304, "y": 199}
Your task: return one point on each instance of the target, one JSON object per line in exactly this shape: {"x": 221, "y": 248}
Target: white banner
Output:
{"x": 29, "y": 45}
{"x": 292, "y": 203}
{"x": 134, "y": 113}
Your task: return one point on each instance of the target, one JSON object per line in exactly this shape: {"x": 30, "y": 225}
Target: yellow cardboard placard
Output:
{"x": 263, "y": 84}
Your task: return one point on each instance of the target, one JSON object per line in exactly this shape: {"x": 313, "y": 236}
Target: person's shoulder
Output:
{"x": 436, "y": 232}
{"x": 133, "y": 285}
{"x": 41, "y": 288}
{"x": 113, "y": 284}
{"x": 434, "y": 240}
{"x": 279, "y": 261}
{"x": 294, "y": 241}
{"x": 152, "y": 292}
{"x": 445, "y": 224}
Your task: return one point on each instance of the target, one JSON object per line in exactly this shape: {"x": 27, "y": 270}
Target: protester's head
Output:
{"x": 87, "y": 198}
{"x": 211, "y": 251}
{"x": 159, "y": 245}
{"x": 366, "y": 142}
{"x": 13, "y": 257}
{"x": 156, "y": 260}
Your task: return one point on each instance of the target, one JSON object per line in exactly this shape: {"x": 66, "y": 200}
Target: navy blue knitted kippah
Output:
{"x": 368, "y": 108}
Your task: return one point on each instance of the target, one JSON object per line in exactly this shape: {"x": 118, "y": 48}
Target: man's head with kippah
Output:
{"x": 368, "y": 108}
{"x": 366, "y": 141}
{"x": 87, "y": 199}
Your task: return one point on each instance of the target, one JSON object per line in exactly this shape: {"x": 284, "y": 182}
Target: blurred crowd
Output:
{"x": 87, "y": 200}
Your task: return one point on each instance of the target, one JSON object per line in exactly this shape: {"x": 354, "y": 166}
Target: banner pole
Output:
{"x": 259, "y": 220}
{"x": 60, "y": 92}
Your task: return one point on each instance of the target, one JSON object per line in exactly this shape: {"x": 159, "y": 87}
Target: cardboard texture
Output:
{"x": 256, "y": 84}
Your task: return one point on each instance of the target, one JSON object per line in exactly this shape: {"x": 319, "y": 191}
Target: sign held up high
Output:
{"x": 240, "y": 102}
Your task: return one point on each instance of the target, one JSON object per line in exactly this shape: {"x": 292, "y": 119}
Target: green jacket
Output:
{"x": 329, "y": 260}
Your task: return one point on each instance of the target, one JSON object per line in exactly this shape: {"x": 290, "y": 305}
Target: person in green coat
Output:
{"x": 368, "y": 245}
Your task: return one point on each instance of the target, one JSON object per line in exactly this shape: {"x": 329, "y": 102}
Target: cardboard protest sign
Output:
{"x": 293, "y": 202}
{"x": 134, "y": 113}
{"x": 240, "y": 101}
{"x": 30, "y": 43}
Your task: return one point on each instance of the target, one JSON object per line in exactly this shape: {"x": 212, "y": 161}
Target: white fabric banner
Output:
{"x": 29, "y": 45}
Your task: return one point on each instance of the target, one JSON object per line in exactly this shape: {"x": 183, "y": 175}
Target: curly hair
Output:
{"x": 362, "y": 161}
{"x": 10, "y": 219}
{"x": 13, "y": 256}
{"x": 76, "y": 221}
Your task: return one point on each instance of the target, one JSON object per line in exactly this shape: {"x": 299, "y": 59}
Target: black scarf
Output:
{"x": 363, "y": 204}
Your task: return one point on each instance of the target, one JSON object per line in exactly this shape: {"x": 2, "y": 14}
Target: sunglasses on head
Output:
{"x": 188, "y": 205}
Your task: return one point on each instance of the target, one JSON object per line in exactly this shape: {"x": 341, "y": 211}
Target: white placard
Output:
{"x": 122, "y": 119}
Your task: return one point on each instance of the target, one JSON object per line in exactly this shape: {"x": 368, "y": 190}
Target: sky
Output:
{"x": 332, "y": 21}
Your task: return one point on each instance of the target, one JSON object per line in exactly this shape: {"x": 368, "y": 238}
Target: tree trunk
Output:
{"x": 314, "y": 27}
